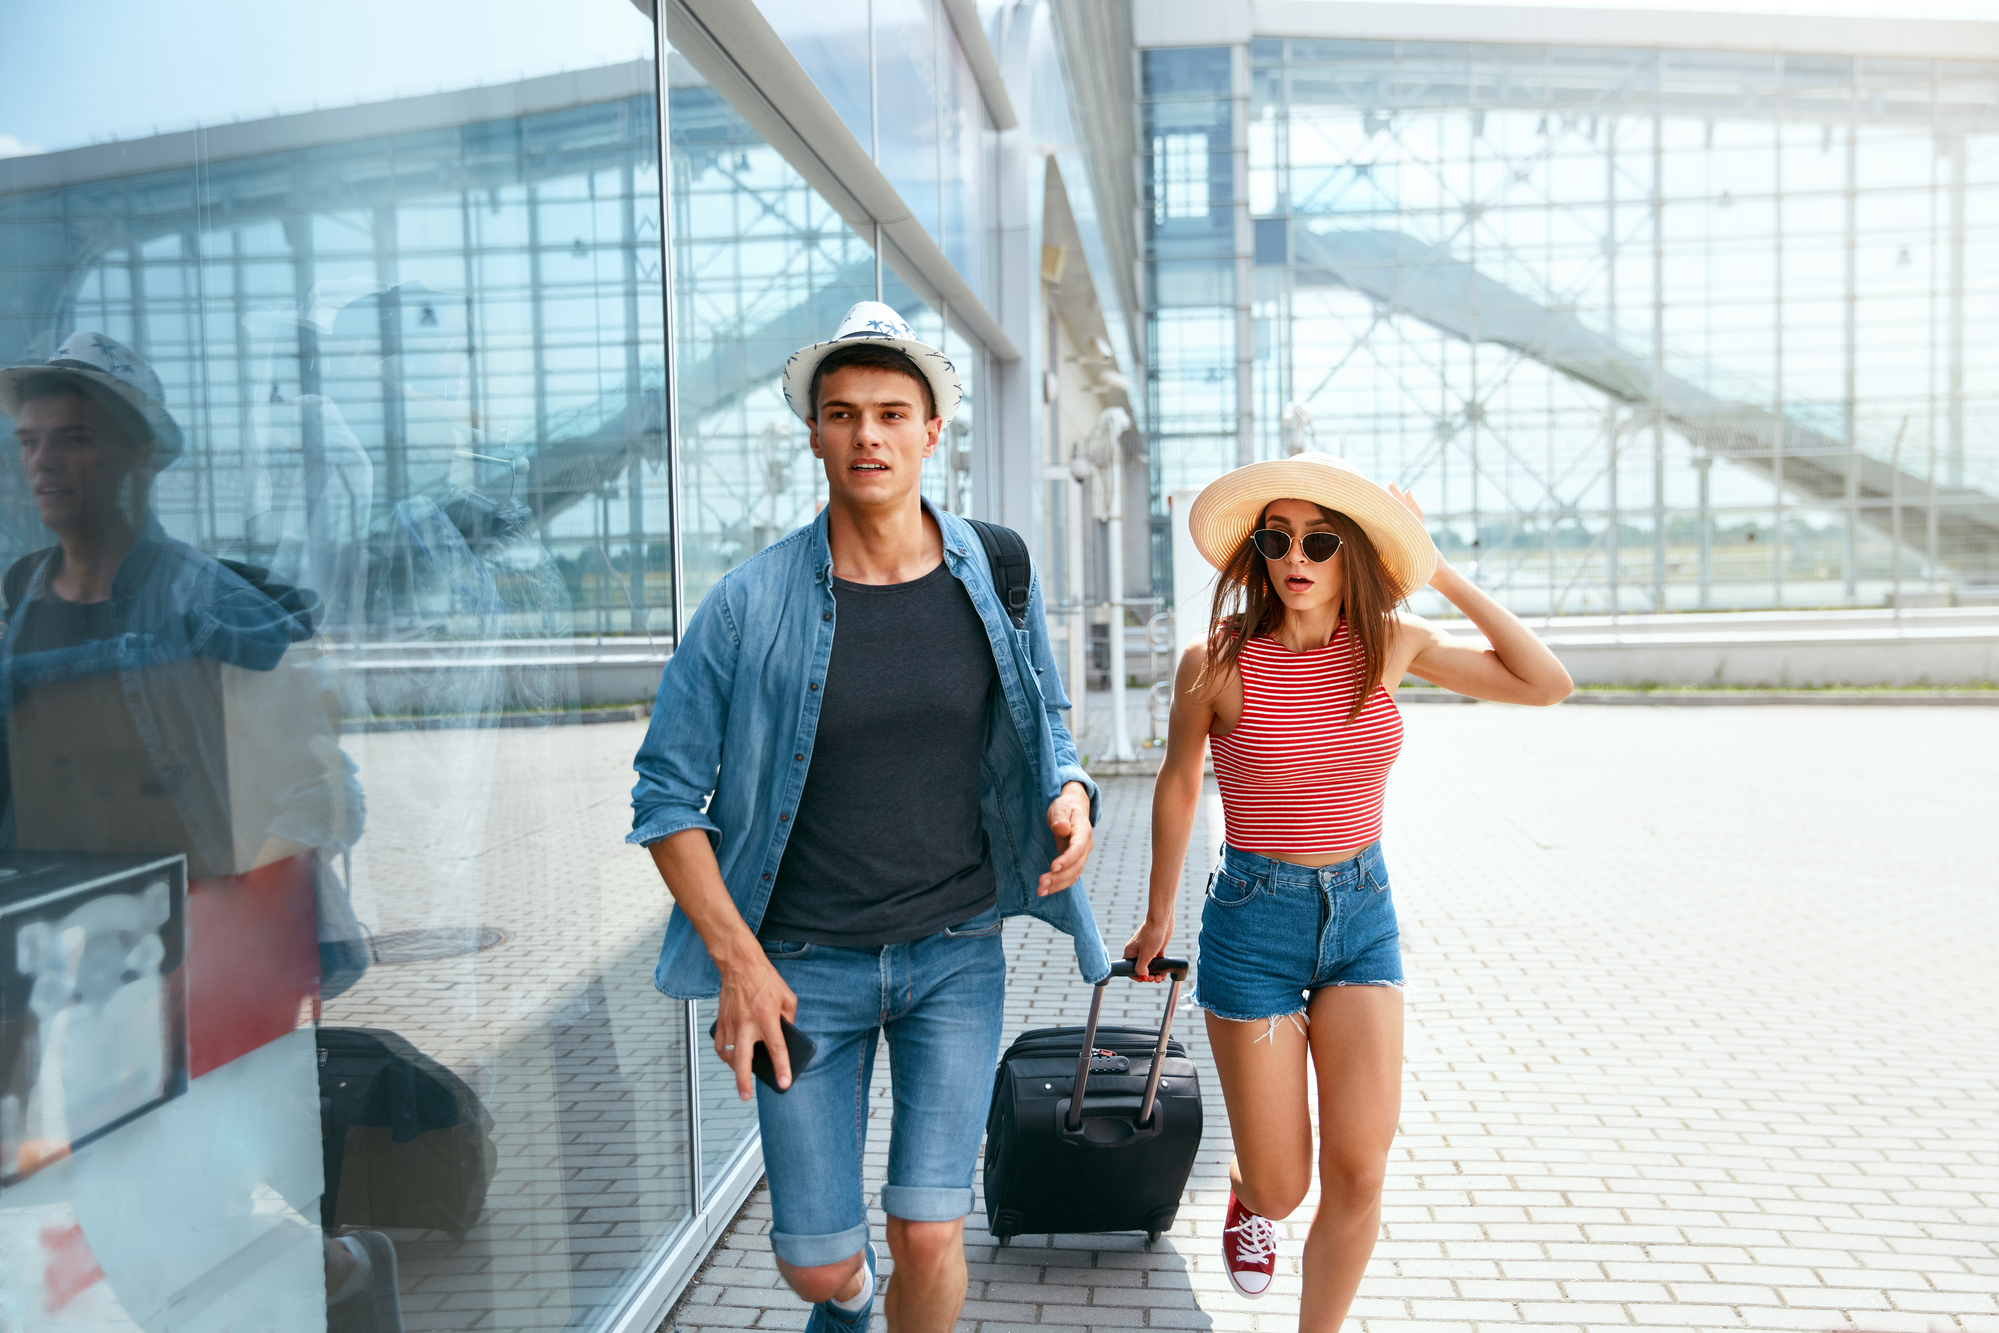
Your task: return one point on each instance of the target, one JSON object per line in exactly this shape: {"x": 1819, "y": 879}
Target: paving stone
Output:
{"x": 1703, "y": 1033}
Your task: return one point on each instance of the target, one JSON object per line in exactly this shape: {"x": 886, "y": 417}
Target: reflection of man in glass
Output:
{"x": 89, "y": 429}
{"x": 117, "y": 642}
{"x": 151, "y": 706}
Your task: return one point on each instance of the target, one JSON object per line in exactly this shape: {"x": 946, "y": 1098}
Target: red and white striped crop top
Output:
{"x": 1297, "y": 778}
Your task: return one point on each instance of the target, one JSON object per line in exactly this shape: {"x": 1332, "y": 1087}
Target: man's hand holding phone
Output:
{"x": 755, "y": 1006}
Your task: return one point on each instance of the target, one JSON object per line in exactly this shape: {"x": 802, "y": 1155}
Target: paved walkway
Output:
{"x": 1703, "y": 1034}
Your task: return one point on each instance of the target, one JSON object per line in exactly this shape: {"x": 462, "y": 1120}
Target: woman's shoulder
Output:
{"x": 1412, "y": 636}
{"x": 1225, "y": 647}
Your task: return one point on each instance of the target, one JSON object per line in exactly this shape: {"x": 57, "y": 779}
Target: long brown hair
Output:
{"x": 1246, "y": 605}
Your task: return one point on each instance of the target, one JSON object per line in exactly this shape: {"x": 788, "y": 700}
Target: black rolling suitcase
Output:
{"x": 406, "y": 1141}
{"x": 1093, "y": 1129}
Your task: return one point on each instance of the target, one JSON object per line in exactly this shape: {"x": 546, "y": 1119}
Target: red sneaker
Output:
{"x": 1249, "y": 1249}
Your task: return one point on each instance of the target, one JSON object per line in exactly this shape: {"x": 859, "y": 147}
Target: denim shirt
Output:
{"x": 738, "y": 707}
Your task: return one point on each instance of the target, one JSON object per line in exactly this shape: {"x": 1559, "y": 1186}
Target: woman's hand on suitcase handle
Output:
{"x": 1148, "y": 942}
{"x": 753, "y": 998}
{"x": 1069, "y": 821}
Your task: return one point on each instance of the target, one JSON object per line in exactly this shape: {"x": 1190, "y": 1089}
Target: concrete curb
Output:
{"x": 475, "y": 721}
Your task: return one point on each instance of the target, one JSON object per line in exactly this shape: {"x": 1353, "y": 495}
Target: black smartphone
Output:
{"x": 797, "y": 1045}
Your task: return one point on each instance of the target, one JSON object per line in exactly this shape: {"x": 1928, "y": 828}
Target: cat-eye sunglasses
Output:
{"x": 1272, "y": 544}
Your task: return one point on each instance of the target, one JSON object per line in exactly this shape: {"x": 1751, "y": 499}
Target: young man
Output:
{"x": 856, "y": 768}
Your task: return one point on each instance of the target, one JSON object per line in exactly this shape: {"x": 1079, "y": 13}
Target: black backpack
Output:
{"x": 1013, "y": 572}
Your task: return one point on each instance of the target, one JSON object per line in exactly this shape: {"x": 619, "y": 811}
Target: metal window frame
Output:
{"x": 744, "y": 59}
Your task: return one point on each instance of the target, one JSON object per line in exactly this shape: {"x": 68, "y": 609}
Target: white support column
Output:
{"x": 1193, "y": 578}
{"x": 1114, "y": 585}
{"x": 1078, "y": 617}
{"x": 1244, "y": 258}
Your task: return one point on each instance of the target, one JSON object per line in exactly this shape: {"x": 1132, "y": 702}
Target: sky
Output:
{"x": 132, "y": 68}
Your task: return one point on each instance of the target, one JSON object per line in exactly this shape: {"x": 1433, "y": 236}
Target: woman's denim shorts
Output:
{"x": 1273, "y": 933}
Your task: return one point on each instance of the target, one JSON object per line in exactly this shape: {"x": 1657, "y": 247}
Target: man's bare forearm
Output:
{"x": 754, "y": 998}
{"x": 686, "y": 861}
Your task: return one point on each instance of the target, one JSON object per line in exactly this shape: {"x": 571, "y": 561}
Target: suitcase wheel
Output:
{"x": 1152, "y": 1236}
{"x": 1005, "y": 1241}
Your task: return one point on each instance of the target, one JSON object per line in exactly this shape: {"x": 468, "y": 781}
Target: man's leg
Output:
{"x": 826, "y": 1282}
{"x": 943, "y": 1042}
{"x": 928, "y": 1288}
{"x": 813, "y": 1133}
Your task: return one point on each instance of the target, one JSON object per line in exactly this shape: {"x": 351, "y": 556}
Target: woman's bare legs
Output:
{"x": 1356, "y": 1036}
{"x": 1262, "y": 1067}
{"x": 1355, "y": 1043}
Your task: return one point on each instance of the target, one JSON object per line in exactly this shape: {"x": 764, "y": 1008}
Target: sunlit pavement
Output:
{"x": 1703, "y": 1034}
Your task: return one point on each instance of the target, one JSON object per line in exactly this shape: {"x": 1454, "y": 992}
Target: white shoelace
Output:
{"x": 1256, "y": 1239}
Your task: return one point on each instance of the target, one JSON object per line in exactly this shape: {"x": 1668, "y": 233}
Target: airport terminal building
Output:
{"x": 457, "y": 332}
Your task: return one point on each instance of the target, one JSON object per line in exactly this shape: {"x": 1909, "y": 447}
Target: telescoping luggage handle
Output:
{"x": 1124, "y": 967}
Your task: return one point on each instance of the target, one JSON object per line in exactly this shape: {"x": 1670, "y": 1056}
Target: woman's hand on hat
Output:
{"x": 1443, "y": 569}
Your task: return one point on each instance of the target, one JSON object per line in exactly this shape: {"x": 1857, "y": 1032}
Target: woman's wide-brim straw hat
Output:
{"x": 1228, "y": 509}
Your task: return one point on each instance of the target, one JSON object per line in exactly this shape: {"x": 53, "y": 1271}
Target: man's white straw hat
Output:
{"x": 873, "y": 322}
{"x": 1227, "y": 510}
{"x": 116, "y": 371}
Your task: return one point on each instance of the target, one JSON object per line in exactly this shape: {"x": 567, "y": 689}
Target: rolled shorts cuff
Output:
{"x": 919, "y": 1203}
{"x": 812, "y": 1251}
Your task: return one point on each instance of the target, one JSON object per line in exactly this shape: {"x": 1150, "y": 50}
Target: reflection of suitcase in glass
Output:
{"x": 407, "y": 1142}
{"x": 1093, "y": 1129}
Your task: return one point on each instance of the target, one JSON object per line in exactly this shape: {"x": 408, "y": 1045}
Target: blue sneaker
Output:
{"x": 830, "y": 1318}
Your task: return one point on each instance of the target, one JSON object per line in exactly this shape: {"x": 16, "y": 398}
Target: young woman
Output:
{"x": 1299, "y": 953}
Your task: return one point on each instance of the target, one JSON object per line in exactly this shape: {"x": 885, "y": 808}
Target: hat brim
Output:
{"x": 934, "y": 365}
{"x": 1227, "y": 510}
{"x": 166, "y": 431}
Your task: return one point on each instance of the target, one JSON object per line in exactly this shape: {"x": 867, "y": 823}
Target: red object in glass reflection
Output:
{"x": 252, "y": 960}
{"x": 69, "y": 1268}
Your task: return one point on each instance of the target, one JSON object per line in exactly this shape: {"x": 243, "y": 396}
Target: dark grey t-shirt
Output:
{"x": 886, "y": 844}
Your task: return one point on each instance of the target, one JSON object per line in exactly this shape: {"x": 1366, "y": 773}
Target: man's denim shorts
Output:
{"x": 1273, "y": 933}
{"x": 941, "y": 1001}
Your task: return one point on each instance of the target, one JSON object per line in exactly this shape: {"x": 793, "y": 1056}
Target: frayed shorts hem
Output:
{"x": 812, "y": 1251}
{"x": 1300, "y": 1010}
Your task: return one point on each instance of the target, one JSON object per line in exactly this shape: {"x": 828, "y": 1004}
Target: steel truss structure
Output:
{"x": 1551, "y": 289}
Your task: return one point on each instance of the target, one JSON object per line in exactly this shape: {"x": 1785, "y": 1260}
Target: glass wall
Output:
{"x": 325, "y": 979}
{"x": 764, "y": 266}
{"x": 337, "y": 571}
{"x": 897, "y": 77}
{"x": 1644, "y": 330}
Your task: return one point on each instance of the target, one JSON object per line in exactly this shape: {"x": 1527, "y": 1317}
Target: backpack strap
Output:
{"x": 1013, "y": 572}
